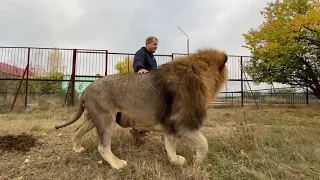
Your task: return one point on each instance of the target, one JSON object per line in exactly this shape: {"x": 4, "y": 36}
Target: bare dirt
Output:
{"x": 18, "y": 143}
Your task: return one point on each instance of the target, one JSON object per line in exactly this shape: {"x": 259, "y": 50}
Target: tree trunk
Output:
{"x": 317, "y": 92}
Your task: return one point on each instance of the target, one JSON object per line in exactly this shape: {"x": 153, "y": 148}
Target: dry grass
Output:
{"x": 243, "y": 144}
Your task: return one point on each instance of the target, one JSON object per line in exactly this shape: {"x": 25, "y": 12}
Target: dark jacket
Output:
{"x": 143, "y": 59}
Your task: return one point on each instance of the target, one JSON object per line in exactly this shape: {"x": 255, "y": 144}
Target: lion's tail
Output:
{"x": 76, "y": 117}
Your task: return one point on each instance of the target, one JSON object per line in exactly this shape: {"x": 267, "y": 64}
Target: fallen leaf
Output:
{"x": 120, "y": 170}
{"x": 242, "y": 152}
{"x": 22, "y": 166}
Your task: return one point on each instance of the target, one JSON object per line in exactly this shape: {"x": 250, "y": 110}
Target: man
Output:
{"x": 144, "y": 60}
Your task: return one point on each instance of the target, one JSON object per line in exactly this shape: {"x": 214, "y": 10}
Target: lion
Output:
{"x": 171, "y": 100}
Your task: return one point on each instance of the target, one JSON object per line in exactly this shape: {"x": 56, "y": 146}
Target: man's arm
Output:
{"x": 138, "y": 61}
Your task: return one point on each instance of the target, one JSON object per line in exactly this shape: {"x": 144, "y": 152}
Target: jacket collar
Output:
{"x": 146, "y": 50}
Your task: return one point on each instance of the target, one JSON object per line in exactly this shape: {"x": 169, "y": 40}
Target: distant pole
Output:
{"x": 187, "y": 39}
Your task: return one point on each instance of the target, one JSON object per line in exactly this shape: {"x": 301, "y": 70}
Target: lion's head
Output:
{"x": 187, "y": 84}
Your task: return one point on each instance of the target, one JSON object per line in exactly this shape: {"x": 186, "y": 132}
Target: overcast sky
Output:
{"x": 123, "y": 25}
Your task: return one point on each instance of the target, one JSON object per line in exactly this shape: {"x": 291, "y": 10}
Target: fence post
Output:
{"x": 307, "y": 95}
{"x": 73, "y": 75}
{"x": 128, "y": 63}
{"x": 15, "y": 97}
{"x": 27, "y": 82}
{"x": 232, "y": 99}
{"x": 106, "y": 71}
{"x": 241, "y": 75}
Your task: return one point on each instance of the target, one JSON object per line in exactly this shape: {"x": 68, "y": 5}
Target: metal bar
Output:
{"x": 27, "y": 82}
{"x": 132, "y": 54}
{"x": 24, "y": 47}
{"x": 106, "y": 70}
{"x": 53, "y": 80}
{"x": 81, "y": 50}
{"x": 187, "y": 39}
{"x": 180, "y": 54}
{"x": 251, "y": 91}
{"x": 241, "y": 75}
{"x": 87, "y": 76}
{"x": 307, "y": 95}
{"x": 37, "y": 79}
{"x": 74, "y": 59}
{"x": 15, "y": 97}
{"x": 90, "y": 52}
{"x": 188, "y": 45}
{"x": 128, "y": 64}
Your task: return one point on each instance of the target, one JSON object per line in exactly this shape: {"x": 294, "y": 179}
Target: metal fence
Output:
{"x": 31, "y": 75}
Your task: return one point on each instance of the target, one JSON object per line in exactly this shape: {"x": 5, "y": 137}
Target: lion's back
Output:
{"x": 131, "y": 91}
{"x": 127, "y": 83}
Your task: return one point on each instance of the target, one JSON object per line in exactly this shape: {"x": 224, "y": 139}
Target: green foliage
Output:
{"x": 286, "y": 47}
{"x": 54, "y": 73}
{"x": 47, "y": 87}
{"x": 125, "y": 66}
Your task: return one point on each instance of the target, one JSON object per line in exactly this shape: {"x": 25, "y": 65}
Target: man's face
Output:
{"x": 152, "y": 46}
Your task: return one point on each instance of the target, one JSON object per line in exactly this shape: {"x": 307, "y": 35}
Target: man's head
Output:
{"x": 151, "y": 44}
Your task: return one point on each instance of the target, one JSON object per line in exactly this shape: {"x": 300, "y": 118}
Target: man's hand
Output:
{"x": 142, "y": 71}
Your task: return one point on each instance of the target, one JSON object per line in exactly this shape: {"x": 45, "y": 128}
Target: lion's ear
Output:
{"x": 225, "y": 58}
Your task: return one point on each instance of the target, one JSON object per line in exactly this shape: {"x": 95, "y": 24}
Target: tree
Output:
{"x": 286, "y": 47}
{"x": 55, "y": 61}
{"x": 53, "y": 71}
{"x": 125, "y": 66}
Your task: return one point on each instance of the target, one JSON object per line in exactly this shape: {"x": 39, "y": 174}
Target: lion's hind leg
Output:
{"x": 104, "y": 122}
{"x": 81, "y": 130}
{"x": 170, "y": 145}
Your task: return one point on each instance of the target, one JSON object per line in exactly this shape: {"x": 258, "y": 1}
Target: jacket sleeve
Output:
{"x": 138, "y": 61}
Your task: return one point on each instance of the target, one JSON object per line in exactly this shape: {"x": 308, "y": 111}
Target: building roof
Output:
{"x": 14, "y": 70}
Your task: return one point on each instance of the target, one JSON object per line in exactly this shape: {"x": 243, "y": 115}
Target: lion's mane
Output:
{"x": 187, "y": 85}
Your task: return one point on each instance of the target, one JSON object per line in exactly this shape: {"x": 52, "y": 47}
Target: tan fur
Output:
{"x": 187, "y": 85}
{"x": 172, "y": 100}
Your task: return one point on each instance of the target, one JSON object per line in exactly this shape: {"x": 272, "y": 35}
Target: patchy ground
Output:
{"x": 243, "y": 144}
{"x": 19, "y": 143}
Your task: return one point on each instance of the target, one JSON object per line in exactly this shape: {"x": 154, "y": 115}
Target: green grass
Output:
{"x": 243, "y": 144}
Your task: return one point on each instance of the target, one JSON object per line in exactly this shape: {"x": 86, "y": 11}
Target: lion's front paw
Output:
{"x": 180, "y": 160}
{"x": 119, "y": 164}
{"x": 78, "y": 150}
